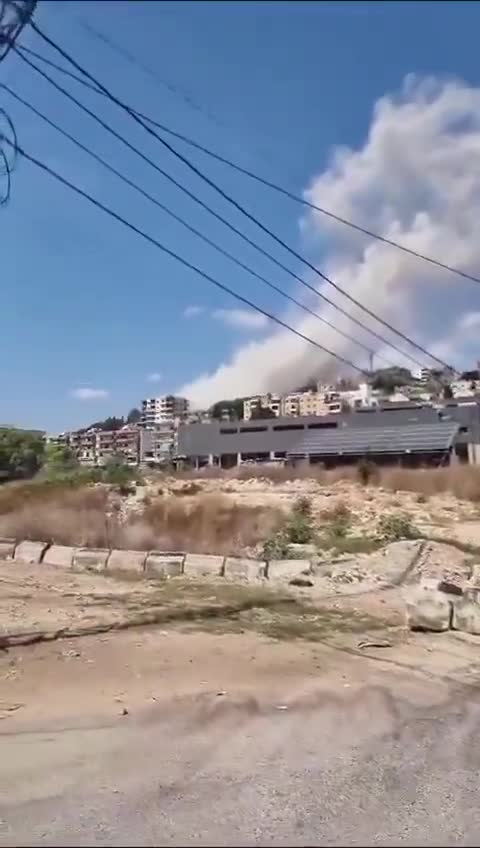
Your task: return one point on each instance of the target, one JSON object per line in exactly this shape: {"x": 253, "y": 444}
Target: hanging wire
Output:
{"x": 8, "y": 155}
{"x": 14, "y": 15}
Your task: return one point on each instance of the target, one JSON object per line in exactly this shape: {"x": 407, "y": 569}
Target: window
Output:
{"x": 463, "y": 430}
{"x": 228, "y": 431}
{"x": 288, "y": 427}
{"x": 323, "y": 425}
{"x": 253, "y": 429}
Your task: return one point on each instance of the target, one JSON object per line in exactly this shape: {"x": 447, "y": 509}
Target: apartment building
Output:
{"x": 319, "y": 403}
{"x": 95, "y": 447}
{"x": 84, "y": 445}
{"x": 161, "y": 409}
{"x": 123, "y": 443}
{"x": 255, "y": 404}
{"x": 158, "y": 445}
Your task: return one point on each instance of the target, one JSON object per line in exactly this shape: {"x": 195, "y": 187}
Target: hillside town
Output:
{"x": 160, "y": 432}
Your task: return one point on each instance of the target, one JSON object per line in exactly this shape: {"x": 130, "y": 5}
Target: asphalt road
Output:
{"x": 354, "y": 767}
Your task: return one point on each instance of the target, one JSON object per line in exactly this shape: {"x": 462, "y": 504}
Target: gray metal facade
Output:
{"x": 281, "y": 434}
{"x": 435, "y": 437}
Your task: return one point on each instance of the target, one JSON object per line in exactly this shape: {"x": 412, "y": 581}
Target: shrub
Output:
{"x": 276, "y": 546}
{"x": 338, "y": 518}
{"x": 397, "y": 525}
{"x": 299, "y": 529}
{"x": 367, "y": 472}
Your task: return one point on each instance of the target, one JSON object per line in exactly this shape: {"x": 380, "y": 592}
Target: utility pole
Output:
{"x": 370, "y": 359}
{"x": 14, "y": 14}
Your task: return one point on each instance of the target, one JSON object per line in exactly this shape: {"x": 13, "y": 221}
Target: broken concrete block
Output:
{"x": 158, "y": 564}
{"x": 238, "y": 568}
{"x": 203, "y": 565}
{"x": 475, "y": 575}
{"x": 59, "y": 555}
{"x": 288, "y": 569}
{"x": 428, "y": 608}
{"x": 466, "y": 614}
{"x": 7, "y": 548}
{"x": 30, "y": 552}
{"x": 90, "y": 559}
{"x": 130, "y": 561}
{"x": 303, "y": 550}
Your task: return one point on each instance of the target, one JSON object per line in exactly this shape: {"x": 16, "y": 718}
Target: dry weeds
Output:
{"x": 89, "y": 517}
{"x": 461, "y": 480}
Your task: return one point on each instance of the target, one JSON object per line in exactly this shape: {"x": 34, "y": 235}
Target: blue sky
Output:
{"x": 276, "y": 86}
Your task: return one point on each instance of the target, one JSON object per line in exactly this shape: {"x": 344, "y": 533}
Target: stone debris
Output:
{"x": 428, "y": 608}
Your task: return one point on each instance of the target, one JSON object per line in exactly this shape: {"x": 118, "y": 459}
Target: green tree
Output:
{"x": 387, "y": 379}
{"x": 447, "y": 392}
{"x": 110, "y": 423}
{"x": 21, "y": 453}
{"x": 61, "y": 464}
{"x": 260, "y": 412}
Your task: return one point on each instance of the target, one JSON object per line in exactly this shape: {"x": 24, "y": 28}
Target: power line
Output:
{"x": 99, "y": 205}
{"x": 216, "y": 214}
{"x": 230, "y": 199}
{"x": 182, "y": 221}
{"x": 257, "y": 177}
{"x": 176, "y": 90}
{"x": 263, "y": 180}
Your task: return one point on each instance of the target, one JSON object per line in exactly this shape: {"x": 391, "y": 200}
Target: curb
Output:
{"x": 149, "y": 564}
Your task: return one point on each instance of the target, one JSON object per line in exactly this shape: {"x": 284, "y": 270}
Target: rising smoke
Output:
{"x": 415, "y": 180}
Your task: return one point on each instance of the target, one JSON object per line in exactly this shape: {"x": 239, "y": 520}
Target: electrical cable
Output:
{"x": 215, "y": 214}
{"x": 99, "y": 205}
{"x": 228, "y": 198}
{"x": 130, "y": 57}
{"x": 182, "y": 221}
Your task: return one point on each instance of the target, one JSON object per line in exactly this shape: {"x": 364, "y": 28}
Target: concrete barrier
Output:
{"x": 428, "y": 608}
{"x": 466, "y": 613}
{"x": 238, "y": 568}
{"x": 59, "y": 555}
{"x": 203, "y": 565}
{"x": 90, "y": 559}
{"x": 7, "y": 548}
{"x": 133, "y": 561}
{"x": 159, "y": 564}
{"x": 287, "y": 569}
{"x": 30, "y": 552}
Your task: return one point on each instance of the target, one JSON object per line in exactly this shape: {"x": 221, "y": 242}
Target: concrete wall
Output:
{"x": 149, "y": 564}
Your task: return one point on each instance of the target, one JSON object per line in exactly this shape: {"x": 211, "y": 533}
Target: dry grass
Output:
{"x": 462, "y": 481}
{"x": 86, "y": 517}
{"x": 203, "y": 524}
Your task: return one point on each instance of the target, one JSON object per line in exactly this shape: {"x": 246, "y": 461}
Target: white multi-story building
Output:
{"x": 159, "y": 410}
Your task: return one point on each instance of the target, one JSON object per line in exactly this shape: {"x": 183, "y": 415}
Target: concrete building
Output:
{"x": 158, "y": 410}
{"x": 231, "y": 443}
{"x": 158, "y": 445}
{"x": 319, "y": 403}
{"x": 123, "y": 443}
{"x": 95, "y": 447}
{"x": 255, "y": 404}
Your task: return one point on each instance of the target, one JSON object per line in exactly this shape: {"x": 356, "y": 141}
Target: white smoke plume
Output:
{"x": 415, "y": 180}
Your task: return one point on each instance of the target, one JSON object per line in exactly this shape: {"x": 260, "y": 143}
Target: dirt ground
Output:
{"x": 441, "y": 515}
{"x": 222, "y": 714}
{"x": 154, "y": 641}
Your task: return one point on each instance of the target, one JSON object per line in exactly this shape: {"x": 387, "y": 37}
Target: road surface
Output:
{"x": 343, "y": 750}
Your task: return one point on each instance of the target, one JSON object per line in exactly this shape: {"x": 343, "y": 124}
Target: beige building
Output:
{"x": 95, "y": 447}
{"x": 158, "y": 410}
